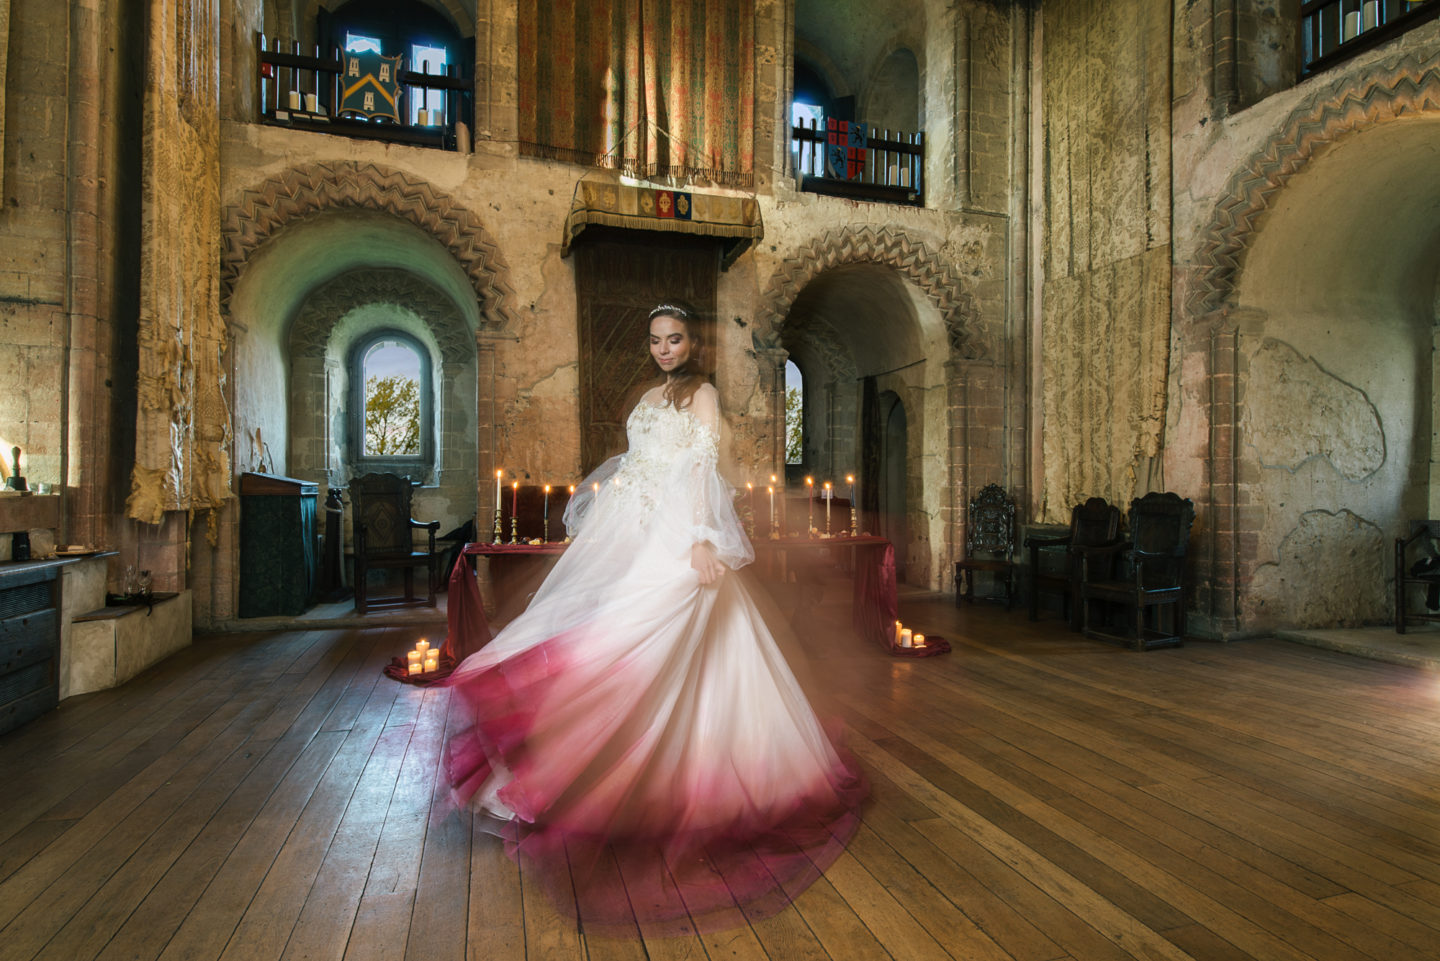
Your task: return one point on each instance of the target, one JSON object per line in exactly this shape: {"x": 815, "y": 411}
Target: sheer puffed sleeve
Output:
{"x": 713, "y": 519}
{"x": 583, "y": 501}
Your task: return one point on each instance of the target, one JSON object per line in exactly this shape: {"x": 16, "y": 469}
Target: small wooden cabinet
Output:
{"x": 279, "y": 559}
{"x": 29, "y": 642}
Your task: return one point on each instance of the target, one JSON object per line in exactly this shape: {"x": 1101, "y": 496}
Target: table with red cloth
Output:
{"x": 874, "y": 605}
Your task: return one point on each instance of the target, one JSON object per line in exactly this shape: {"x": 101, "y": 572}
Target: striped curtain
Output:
{"x": 650, "y": 87}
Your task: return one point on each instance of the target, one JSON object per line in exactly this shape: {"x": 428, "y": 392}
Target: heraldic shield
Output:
{"x": 371, "y": 86}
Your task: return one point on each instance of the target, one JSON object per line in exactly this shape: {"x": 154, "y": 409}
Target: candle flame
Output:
{"x": 499, "y": 474}
{"x": 547, "y": 488}
{"x": 515, "y": 485}
{"x": 809, "y": 482}
{"x": 849, "y": 478}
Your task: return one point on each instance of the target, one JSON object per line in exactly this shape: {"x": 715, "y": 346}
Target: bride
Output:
{"x": 636, "y": 733}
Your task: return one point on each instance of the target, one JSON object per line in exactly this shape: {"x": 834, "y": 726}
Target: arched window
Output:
{"x": 794, "y": 414}
{"x": 391, "y": 405}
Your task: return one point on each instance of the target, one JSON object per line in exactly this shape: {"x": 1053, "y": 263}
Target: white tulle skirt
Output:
{"x": 642, "y": 742}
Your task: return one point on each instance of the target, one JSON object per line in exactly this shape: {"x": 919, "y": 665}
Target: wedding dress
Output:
{"x": 638, "y": 735}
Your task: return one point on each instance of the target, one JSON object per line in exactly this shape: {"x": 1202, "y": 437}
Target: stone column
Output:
{"x": 771, "y": 361}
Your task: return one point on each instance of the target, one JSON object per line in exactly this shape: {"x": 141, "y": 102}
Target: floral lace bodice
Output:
{"x": 661, "y": 436}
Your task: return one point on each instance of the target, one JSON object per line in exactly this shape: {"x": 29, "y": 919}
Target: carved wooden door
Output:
{"x": 619, "y": 277}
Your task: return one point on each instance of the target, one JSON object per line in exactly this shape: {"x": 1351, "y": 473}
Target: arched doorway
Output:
{"x": 871, "y": 348}
{"x": 1335, "y": 317}
{"x": 891, "y": 514}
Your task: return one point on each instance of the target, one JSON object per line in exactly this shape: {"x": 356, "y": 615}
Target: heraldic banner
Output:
{"x": 736, "y": 220}
{"x": 371, "y": 86}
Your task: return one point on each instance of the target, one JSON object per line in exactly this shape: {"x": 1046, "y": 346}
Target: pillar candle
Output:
{"x": 906, "y": 638}
{"x": 422, "y": 645}
{"x": 432, "y": 664}
{"x": 416, "y": 667}
{"x": 918, "y": 640}
{"x": 294, "y": 100}
{"x": 412, "y": 658}
{"x": 896, "y": 641}
{"x": 312, "y": 103}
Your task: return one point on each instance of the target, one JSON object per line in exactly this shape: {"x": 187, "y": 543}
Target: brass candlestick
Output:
{"x": 498, "y": 532}
{"x": 514, "y": 529}
{"x": 854, "y": 518}
{"x": 547, "y": 530}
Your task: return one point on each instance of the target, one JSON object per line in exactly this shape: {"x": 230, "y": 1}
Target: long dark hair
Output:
{"x": 686, "y": 380}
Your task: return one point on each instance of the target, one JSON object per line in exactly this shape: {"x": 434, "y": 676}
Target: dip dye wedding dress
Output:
{"x": 638, "y": 737}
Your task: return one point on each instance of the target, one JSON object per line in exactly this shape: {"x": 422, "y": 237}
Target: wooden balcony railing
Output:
{"x": 300, "y": 90}
{"x": 893, "y": 171}
{"x": 1332, "y": 31}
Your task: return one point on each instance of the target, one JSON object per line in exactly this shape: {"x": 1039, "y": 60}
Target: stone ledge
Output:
{"x": 111, "y": 649}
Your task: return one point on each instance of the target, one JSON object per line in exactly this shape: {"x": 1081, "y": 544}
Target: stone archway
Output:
{"x": 302, "y": 192}
{"x": 911, "y": 259}
{"x": 317, "y": 366}
{"x": 1388, "y": 92}
{"x": 1232, "y": 338}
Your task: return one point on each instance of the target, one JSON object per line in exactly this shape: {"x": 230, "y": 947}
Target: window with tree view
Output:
{"x": 391, "y": 371}
{"x": 794, "y": 414}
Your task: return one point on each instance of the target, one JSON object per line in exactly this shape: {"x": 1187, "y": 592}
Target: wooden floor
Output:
{"x": 1037, "y": 796}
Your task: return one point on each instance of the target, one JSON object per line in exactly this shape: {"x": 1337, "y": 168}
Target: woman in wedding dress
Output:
{"x": 636, "y": 734}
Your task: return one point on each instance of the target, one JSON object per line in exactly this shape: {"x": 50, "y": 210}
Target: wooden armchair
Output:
{"x": 380, "y": 507}
{"x": 1417, "y": 565}
{"x": 1151, "y": 575}
{"x": 989, "y": 543}
{"x": 1095, "y": 523}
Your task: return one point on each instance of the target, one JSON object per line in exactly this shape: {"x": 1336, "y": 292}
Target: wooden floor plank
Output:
{"x": 1037, "y": 797}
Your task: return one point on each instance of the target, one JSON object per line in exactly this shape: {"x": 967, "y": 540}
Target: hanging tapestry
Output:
{"x": 182, "y": 421}
{"x": 649, "y": 87}
{"x": 735, "y": 220}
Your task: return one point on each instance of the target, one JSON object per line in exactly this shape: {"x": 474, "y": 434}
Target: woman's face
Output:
{"x": 670, "y": 342}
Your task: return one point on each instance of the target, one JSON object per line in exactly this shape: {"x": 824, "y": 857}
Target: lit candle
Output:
{"x": 515, "y": 498}
{"x": 596, "y": 487}
{"x": 828, "y": 498}
{"x": 498, "y": 475}
{"x": 906, "y": 638}
{"x": 809, "y": 505}
{"x": 412, "y": 658}
{"x": 422, "y": 645}
{"x": 572, "y": 490}
{"x": 415, "y": 666}
{"x": 772, "y": 508}
{"x": 432, "y": 664}
{"x": 918, "y": 640}
{"x": 545, "y": 514}
{"x": 850, "y": 479}
{"x": 896, "y": 641}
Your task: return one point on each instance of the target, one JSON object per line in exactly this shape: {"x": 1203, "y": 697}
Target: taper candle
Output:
{"x": 809, "y": 505}
{"x": 828, "y": 498}
{"x": 498, "y": 474}
{"x": 772, "y": 509}
{"x": 515, "y": 498}
{"x": 545, "y": 514}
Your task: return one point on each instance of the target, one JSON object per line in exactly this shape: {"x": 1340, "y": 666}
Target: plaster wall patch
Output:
{"x": 1295, "y": 410}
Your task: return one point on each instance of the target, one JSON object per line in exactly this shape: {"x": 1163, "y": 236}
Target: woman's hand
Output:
{"x": 706, "y": 564}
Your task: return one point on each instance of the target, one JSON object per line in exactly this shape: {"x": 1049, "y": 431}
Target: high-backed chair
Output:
{"x": 1095, "y": 523}
{"x": 1417, "y": 567}
{"x": 1151, "y": 574}
{"x": 380, "y": 507}
{"x": 989, "y": 543}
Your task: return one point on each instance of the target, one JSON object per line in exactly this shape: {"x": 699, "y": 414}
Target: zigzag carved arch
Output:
{"x": 326, "y": 305}
{"x": 303, "y": 192}
{"x": 1404, "y": 87}
{"x": 911, "y": 259}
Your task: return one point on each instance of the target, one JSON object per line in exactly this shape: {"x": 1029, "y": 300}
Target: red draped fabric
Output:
{"x": 651, "y": 87}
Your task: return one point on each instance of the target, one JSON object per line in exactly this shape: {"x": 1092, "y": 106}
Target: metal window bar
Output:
{"x": 1333, "y": 31}
{"x": 289, "y": 80}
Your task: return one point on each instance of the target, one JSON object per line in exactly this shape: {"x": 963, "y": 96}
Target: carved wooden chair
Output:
{"x": 1151, "y": 574}
{"x": 989, "y": 543}
{"x": 1417, "y": 568}
{"x": 380, "y": 506}
{"x": 1095, "y": 523}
